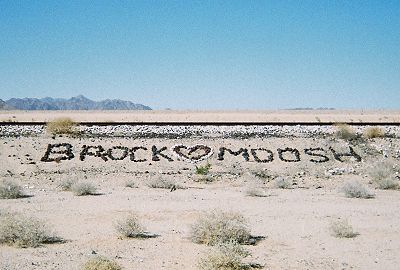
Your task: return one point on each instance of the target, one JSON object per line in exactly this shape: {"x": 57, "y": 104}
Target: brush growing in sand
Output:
{"x": 61, "y": 126}
{"x": 342, "y": 229}
{"x": 131, "y": 184}
{"x": 283, "y": 183}
{"x": 383, "y": 175}
{"x": 66, "y": 185}
{"x": 217, "y": 226}
{"x": 159, "y": 182}
{"x": 130, "y": 227}
{"x": 83, "y": 188}
{"x": 224, "y": 256}
{"x": 345, "y": 132}
{"x": 10, "y": 189}
{"x": 23, "y": 231}
{"x": 354, "y": 189}
{"x": 373, "y": 132}
{"x": 203, "y": 170}
{"x": 101, "y": 263}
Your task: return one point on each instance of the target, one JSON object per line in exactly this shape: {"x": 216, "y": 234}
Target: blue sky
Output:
{"x": 204, "y": 54}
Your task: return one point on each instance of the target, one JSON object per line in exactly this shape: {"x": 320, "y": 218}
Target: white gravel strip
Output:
{"x": 194, "y": 131}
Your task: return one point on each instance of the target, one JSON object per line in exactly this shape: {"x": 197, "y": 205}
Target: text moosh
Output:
{"x": 65, "y": 151}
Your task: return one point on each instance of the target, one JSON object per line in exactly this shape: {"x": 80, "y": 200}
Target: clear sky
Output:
{"x": 204, "y": 54}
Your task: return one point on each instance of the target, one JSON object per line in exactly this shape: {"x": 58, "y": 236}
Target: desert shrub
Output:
{"x": 345, "y": 132}
{"x": 66, "y": 185}
{"x": 373, "y": 132}
{"x": 204, "y": 178}
{"x": 342, "y": 229}
{"x": 22, "y": 231}
{"x": 382, "y": 175}
{"x": 83, "y": 188}
{"x": 62, "y": 126}
{"x": 354, "y": 189}
{"x": 264, "y": 175}
{"x": 9, "y": 189}
{"x": 388, "y": 183}
{"x": 101, "y": 263}
{"x": 284, "y": 183}
{"x": 254, "y": 191}
{"x": 163, "y": 183}
{"x": 224, "y": 256}
{"x": 130, "y": 227}
{"x": 203, "y": 170}
{"x": 217, "y": 226}
{"x": 130, "y": 184}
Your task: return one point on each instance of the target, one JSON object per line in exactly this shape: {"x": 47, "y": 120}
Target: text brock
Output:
{"x": 64, "y": 151}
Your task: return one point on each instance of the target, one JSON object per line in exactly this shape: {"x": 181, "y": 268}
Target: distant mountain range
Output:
{"x": 3, "y": 105}
{"x": 75, "y": 103}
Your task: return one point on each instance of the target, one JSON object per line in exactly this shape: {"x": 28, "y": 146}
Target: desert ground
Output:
{"x": 292, "y": 222}
{"x": 157, "y": 116}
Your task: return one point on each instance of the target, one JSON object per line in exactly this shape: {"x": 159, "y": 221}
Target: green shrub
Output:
{"x": 61, "y": 126}
{"x": 22, "y": 231}
{"x": 203, "y": 170}
{"x": 217, "y": 226}
{"x": 9, "y": 189}
{"x": 101, "y": 263}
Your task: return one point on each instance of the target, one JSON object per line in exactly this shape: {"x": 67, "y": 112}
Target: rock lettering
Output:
{"x": 64, "y": 151}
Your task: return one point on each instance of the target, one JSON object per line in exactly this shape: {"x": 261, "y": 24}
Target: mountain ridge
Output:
{"x": 74, "y": 103}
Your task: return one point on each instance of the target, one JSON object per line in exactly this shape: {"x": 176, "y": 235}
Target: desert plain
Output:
{"x": 292, "y": 222}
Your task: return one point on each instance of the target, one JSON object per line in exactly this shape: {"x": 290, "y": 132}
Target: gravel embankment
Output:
{"x": 153, "y": 131}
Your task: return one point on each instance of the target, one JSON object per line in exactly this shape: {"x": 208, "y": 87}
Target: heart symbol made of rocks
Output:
{"x": 192, "y": 153}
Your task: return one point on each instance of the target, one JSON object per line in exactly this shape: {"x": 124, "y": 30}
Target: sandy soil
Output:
{"x": 295, "y": 222}
{"x": 271, "y": 116}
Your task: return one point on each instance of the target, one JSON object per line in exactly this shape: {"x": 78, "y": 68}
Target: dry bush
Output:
{"x": 383, "y": 175}
{"x": 388, "y": 183}
{"x": 9, "y": 189}
{"x": 22, "y": 231}
{"x": 263, "y": 175}
{"x": 101, "y": 263}
{"x": 354, "y": 189}
{"x": 256, "y": 192}
{"x": 217, "y": 226}
{"x": 373, "y": 132}
{"x": 224, "y": 256}
{"x": 164, "y": 183}
{"x": 203, "y": 170}
{"x": 66, "y": 185}
{"x": 62, "y": 126}
{"x": 130, "y": 227}
{"x": 342, "y": 229}
{"x": 284, "y": 183}
{"x": 84, "y": 188}
{"x": 130, "y": 184}
{"x": 345, "y": 132}
{"x": 204, "y": 178}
